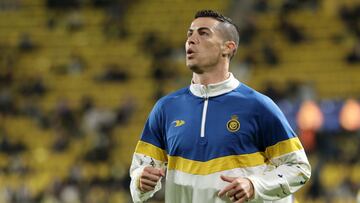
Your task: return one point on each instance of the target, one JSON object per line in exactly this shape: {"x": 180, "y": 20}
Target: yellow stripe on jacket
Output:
{"x": 221, "y": 163}
{"x": 283, "y": 147}
{"x": 151, "y": 150}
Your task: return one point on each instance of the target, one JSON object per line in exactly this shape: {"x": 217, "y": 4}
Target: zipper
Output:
{"x": 203, "y": 119}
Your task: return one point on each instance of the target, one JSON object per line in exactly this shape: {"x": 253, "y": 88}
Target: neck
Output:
{"x": 215, "y": 76}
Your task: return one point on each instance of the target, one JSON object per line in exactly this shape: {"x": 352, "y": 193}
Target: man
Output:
{"x": 218, "y": 140}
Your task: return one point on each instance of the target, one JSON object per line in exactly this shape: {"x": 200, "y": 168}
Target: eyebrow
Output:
{"x": 200, "y": 28}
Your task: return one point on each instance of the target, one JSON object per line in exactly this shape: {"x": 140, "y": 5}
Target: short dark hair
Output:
{"x": 230, "y": 32}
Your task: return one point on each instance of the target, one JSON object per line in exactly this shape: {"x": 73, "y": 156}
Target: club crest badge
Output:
{"x": 233, "y": 124}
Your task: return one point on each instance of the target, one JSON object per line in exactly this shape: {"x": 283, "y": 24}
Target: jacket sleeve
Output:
{"x": 149, "y": 151}
{"x": 288, "y": 168}
{"x": 139, "y": 162}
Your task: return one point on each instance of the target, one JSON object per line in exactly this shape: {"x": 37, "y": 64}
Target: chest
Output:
{"x": 205, "y": 129}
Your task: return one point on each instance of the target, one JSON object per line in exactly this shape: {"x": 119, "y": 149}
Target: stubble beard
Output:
{"x": 196, "y": 69}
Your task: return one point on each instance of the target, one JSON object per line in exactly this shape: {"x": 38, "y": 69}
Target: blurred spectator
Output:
{"x": 51, "y": 22}
{"x": 61, "y": 141}
{"x": 99, "y": 150}
{"x": 33, "y": 86}
{"x": 18, "y": 165}
{"x": 155, "y": 47}
{"x": 247, "y": 31}
{"x": 7, "y": 102}
{"x": 113, "y": 73}
{"x": 8, "y": 147}
{"x": 76, "y": 64}
{"x": 70, "y": 194}
{"x": 354, "y": 56}
{"x": 113, "y": 29}
{"x": 242, "y": 68}
{"x": 291, "y": 32}
{"x": 346, "y": 191}
{"x": 26, "y": 44}
{"x": 269, "y": 54}
{"x": 316, "y": 190}
{"x": 75, "y": 21}
{"x": 6, "y": 77}
{"x": 271, "y": 90}
{"x": 86, "y": 104}
{"x": 65, "y": 118}
{"x": 125, "y": 111}
{"x": 22, "y": 194}
{"x": 161, "y": 70}
{"x": 28, "y": 98}
{"x": 289, "y": 6}
{"x": 97, "y": 120}
{"x": 351, "y": 17}
{"x": 113, "y": 25}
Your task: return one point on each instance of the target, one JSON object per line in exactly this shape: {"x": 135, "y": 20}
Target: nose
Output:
{"x": 191, "y": 39}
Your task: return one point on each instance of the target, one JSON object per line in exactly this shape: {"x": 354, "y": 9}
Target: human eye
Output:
{"x": 204, "y": 33}
{"x": 188, "y": 34}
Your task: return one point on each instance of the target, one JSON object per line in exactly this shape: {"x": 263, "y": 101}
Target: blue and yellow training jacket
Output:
{"x": 201, "y": 132}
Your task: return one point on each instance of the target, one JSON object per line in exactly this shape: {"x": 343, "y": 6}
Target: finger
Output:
{"x": 240, "y": 195}
{"x": 227, "y": 188}
{"x": 227, "y": 178}
{"x": 149, "y": 176}
{"x": 232, "y": 192}
{"x": 155, "y": 171}
{"x": 241, "y": 200}
{"x": 148, "y": 182}
{"x": 237, "y": 191}
{"x": 146, "y": 188}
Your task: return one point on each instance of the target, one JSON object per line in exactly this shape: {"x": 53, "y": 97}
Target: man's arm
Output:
{"x": 149, "y": 160}
{"x": 288, "y": 168}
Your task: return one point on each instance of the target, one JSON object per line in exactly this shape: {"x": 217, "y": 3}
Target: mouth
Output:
{"x": 190, "y": 53}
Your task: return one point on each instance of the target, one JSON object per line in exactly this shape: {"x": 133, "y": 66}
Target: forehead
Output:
{"x": 203, "y": 22}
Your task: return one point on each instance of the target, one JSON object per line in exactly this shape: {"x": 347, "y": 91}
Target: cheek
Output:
{"x": 213, "y": 49}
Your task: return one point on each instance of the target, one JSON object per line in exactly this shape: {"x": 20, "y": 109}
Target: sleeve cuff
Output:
{"x": 136, "y": 193}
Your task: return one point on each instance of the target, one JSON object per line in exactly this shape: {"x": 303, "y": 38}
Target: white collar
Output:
{"x": 212, "y": 90}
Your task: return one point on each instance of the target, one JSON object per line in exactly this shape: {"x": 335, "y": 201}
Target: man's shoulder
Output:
{"x": 250, "y": 93}
{"x": 173, "y": 95}
{"x": 260, "y": 101}
{"x": 256, "y": 98}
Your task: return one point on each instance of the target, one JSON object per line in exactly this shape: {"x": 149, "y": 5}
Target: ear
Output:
{"x": 228, "y": 48}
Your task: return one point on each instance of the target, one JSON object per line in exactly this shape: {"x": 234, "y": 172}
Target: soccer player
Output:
{"x": 217, "y": 140}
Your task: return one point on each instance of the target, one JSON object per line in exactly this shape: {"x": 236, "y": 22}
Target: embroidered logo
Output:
{"x": 233, "y": 124}
{"x": 179, "y": 123}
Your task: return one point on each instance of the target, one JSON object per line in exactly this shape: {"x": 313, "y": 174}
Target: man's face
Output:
{"x": 203, "y": 45}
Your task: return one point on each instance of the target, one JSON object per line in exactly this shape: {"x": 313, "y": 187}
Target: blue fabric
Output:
{"x": 262, "y": 124}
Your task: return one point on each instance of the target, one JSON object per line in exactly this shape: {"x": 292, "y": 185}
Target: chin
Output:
{"x": 194, "y": 68}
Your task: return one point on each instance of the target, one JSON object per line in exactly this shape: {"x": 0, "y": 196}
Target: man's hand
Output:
{"x": 149, "y": 178}
{"x": 239, "y": 190}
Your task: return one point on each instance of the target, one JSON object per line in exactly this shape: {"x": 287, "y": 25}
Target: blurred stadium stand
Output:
{"x": 79, "y": 77}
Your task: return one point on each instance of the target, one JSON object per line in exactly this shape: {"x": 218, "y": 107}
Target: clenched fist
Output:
{"x": 149, "y": 178}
